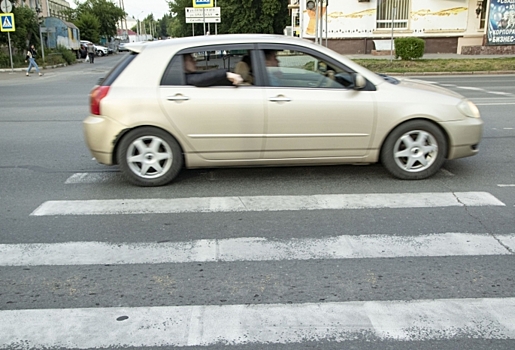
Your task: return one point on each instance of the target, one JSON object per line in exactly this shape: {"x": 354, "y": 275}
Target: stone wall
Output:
{"x": 488, "y": 50}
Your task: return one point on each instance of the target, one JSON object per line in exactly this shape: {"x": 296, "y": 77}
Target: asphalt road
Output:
{"x": 43, "y": 152}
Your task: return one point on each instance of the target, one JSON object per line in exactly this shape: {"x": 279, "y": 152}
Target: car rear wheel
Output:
{"x": 414, "y": 150}
{"x": 149, "y": 157}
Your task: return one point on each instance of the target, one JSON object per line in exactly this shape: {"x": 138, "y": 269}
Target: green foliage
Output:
{"x": 89, "y": 27}
{"x": 54, "y": 58}
{"x": 67, "y": 54}
{"x": 26, "y": 30}
{"x": 107, "y": 14}
{"x": 251, "y": 16}
{"x": 409, "y": 48}
{"x": 18, "y": 60}
{"x": 162, "y": 27}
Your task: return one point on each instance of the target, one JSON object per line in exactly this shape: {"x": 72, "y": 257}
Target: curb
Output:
{"x": 8, "y": 70}
{"x": 497, "y": 72}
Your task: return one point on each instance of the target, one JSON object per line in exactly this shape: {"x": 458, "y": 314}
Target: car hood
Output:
{"x": 423, "y": 85}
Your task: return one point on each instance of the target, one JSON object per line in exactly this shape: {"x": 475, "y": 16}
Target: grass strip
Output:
{"x": 438, "y": 65}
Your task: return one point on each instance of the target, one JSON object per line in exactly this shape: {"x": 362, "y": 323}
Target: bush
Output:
{"x": 67, "y": 54}
{"x": 18, "y": 60}
{"x": 54, "y": 58}
{"x": 409, "y": 48}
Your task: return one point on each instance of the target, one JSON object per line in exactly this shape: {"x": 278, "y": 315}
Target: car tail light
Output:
{"x": 96, "y": 95}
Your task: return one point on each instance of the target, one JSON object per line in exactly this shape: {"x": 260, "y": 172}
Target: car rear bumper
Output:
{"x": 100, "y": 134}
{"x": 465, "y": 136}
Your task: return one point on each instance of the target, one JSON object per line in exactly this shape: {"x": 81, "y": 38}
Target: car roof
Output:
{"x": 192, "y": 41}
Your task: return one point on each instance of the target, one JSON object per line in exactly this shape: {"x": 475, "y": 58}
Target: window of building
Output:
{"x": 483, "y": 15}
{"x": 394, "y": 12}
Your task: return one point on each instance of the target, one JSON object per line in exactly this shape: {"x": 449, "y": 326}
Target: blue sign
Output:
{"x": 202, "y": 3}
{"x": 7, "y": 22}
{"x": 501, "y": 23}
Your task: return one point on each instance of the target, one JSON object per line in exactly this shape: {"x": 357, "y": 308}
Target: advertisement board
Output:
{"x": 501, "y": 22}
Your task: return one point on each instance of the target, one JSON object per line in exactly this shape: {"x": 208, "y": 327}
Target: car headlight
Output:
{"x": 469, "y": 109}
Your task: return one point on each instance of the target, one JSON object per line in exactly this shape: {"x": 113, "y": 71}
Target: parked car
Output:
{"x": 314, "y": 107}
{"x": 122, "y": 47}
{"x": 99, "y": 49}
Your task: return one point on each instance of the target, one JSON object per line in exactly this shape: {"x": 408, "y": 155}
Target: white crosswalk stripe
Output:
{"x": 266, "y": 203}
{"x": 257, "y": 249}
{"x": 414, "y": 320}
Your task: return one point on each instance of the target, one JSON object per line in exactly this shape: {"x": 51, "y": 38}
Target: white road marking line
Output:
{"x": 506, "y": 185}
{"x": 256, "y": 249}
{"x": 89, "y": 178}
{"x": 266, "y": 203}
{"x": 499, "y": 92}
{"x": 507, "y": 128}
{"x": 416, "y": 320}
{"x": 495, "y": 104}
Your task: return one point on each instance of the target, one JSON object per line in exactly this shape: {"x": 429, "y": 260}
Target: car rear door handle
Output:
{"x": 178, "y": 97}
{"x": 279, "y": 99}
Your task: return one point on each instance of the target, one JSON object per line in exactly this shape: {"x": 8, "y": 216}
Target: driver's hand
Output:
{"x": 234, "y": 78}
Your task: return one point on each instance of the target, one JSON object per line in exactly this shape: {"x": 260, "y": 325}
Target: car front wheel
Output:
{"x": 149, "y": 157}
{"x": 414, "y": 150}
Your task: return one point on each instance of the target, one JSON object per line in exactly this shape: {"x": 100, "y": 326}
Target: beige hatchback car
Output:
{"x": 169, "y": 104}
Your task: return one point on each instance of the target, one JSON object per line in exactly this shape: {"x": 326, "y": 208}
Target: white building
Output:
{"x": 46, "y": 8}
{"x": 451, "y": 26}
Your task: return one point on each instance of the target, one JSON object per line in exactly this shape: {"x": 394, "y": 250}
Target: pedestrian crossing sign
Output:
{"x": 7, "y": 22}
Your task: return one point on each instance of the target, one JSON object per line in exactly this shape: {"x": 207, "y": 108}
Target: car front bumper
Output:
{"x": 464, "y": 137}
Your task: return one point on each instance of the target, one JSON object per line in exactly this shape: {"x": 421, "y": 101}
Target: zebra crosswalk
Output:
{"x": 241, "y": 322}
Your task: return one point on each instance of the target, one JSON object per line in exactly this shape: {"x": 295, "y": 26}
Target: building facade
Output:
{"x": 447, "y": 26}
{"x": 46, "y": 8}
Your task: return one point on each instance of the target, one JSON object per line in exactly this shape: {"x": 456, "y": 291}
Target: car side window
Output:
{"x": 287, "y": 68}
{"x": 212, "y": 61}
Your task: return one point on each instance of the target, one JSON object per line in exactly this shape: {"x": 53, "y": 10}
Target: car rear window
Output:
{"x": 117, "y": 70}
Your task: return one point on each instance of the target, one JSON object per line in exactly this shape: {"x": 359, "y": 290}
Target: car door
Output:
{"x": 312, "y": 109}
{"x": 218, "y": 122}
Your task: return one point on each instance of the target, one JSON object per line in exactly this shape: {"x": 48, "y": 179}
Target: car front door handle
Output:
{"x": 178, "y": 97}
{"x": 279, "y": 99}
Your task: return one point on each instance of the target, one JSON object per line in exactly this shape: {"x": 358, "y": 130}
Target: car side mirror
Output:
{"x": 359, "y": 81}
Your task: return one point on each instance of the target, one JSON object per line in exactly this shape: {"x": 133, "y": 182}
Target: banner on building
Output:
{"x": 501, "y": 23}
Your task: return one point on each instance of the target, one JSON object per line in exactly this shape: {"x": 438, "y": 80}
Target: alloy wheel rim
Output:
{"x": 415, "y": 151}
{"x": 149, "y": 157}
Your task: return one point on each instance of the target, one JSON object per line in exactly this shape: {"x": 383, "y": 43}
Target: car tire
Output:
{"x": 149, "y": 157}
{"x": 414, "y": 150}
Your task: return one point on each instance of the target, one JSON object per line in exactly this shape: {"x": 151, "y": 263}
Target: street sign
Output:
{"x": 202, "y": 20}
{"x": 202, "y": 3}
{"x": 7, "y": 22}
{"x": 47, "y": 30}
{"x": 212, "y": 12}
{"x": 6, "y": 6}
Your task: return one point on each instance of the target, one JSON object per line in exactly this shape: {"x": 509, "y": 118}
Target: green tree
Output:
{"x": 27, "y": 30}
{"x": 162, "y": 27}
{"x": 251, "y": 16}
{"x": 107, "y": 14}
{"x": 89, "y": 27}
